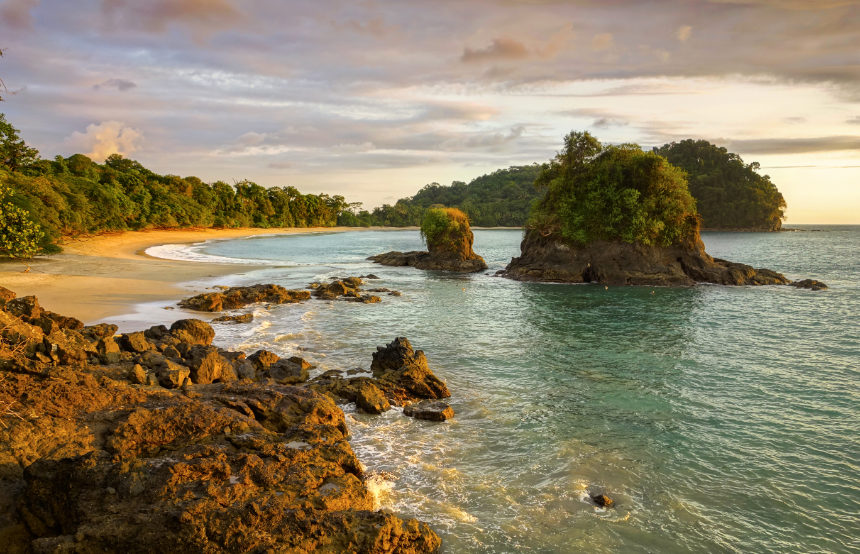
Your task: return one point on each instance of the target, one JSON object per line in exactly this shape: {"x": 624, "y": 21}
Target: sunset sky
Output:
{"x": 374, "y": 99}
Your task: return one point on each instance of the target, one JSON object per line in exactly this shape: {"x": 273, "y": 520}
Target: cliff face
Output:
{"x": 619, "y": 263}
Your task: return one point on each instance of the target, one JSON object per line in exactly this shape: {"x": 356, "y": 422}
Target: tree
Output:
{"x": 19, "y": 236}
{"x": 729, "y": 193}
{"x": 14, "y": 153}
{"x": 614, "y": 193}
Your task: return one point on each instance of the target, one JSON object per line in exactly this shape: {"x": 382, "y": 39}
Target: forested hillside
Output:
{"x": 729, "y": 194}
{"x": 501, "y": 198}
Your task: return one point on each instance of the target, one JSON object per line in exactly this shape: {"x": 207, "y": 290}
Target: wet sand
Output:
{"x": 106, "y": 275}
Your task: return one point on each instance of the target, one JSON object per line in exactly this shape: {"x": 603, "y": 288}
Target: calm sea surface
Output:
{"x": 720, "y": 419}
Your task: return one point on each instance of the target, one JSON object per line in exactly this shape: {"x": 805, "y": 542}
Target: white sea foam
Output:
{"x": 192, "y": 253}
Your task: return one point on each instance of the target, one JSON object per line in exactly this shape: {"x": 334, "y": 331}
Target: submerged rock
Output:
{"x": 431, "y": 410}
{"x": 241, "y": 318}
{"x": 602, "y": 500}
{"x": 811, "y": 284}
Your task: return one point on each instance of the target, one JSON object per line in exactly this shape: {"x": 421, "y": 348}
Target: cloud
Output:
{"x": 854, "y": 120}
{"x": 121, "y": 85}
{"x": 684, "y": 32}
{"x": 108, "y": 137}
{"x": 793, "y": 145}
{"x": 15, "y": 14}
{"x": 203, "y": 17}
{"x": 603, "y": 41}
{"x": 499, "y": 50}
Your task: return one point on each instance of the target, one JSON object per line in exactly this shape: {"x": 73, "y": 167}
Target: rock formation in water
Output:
{"x": 620, "y": 216}
{"x": 449, "y": 241}
{"x": 158, "y": 441}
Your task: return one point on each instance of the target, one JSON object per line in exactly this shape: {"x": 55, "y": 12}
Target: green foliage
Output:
{"x": 14, "y": 153}
{"x": 499, "y": 199}
{"x": 19, "y": 235}
{"x": 614, "y": 193}
{"x": 729, "y": 193}
{"x": 441, "y": 225}
{"x": 75, "y": 195}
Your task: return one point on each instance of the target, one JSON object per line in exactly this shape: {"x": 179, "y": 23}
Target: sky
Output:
{"x": 374, "y": 99}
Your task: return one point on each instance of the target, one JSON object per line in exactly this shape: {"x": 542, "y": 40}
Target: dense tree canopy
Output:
{"x": 74, "y": 195}
{"x": 729, "y": 193}
{"x": 501, "y": 198}
{"x": 613, "y": 193}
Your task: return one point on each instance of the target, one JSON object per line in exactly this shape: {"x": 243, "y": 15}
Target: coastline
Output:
{"x": 106, "y": 275}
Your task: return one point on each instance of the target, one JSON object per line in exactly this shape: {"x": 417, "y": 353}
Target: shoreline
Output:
{"x": 106, "y": 275}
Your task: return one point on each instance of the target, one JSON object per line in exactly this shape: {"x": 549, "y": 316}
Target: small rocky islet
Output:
{"x": 160, "y": 441}
{"x": 449, "y": 239}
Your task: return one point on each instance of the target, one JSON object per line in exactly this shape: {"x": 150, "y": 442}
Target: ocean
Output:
{"x": 719, "y": 419}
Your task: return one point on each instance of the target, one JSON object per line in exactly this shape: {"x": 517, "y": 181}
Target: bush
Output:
{"x": 444, "y": 228}
{"x": 19, "y": 236}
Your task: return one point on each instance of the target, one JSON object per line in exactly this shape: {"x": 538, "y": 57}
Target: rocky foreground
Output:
{"x": 548, "y": 259}
{"x": 159, "y": 441}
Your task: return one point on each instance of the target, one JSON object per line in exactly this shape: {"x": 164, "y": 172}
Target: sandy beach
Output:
{"x": 105, "y": 275}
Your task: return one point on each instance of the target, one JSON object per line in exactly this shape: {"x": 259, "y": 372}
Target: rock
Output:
{"x": 172, "y": 375}
{"x": 193, "y": 331}
{"x": 25, "y": 307}
{"x": 365, "y": 299}
{"x": 242, "y": 318}
{"x": 403, "y": 373}
{"x": 98, "y": 464}
{"x": 108, "y": 350}
{"x": 238, "y": 297}
{"x": 208, "y": 365}
{"x": 370, "y": 399}
{"x": 137, "y": 375}
{"x": 602, "y": 500}
{"x": 287, "y": 372}
{"x": 5, "y": 296}
{"x": 431, "y": 410}
{"x": 424, "y": 260}
{"x": 369, "y": 276}
{"x": 135, "y": 342}
{"x": 617, "y": 263}
{"x": 99, "y": 331}
{"x": 263, "y": 359}
{"x": 301, "y": 362}
{"x": 811, "y": 284}
{"x": 156, "y": 332}
{"x": 245, "y": 369}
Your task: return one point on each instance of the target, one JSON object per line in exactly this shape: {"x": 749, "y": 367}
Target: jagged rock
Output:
{"x": 602, "y": 500}
{"x": 135, "y": 342}
{"x": 208, "y": 365}
{"x": 301, "y": 362}
{"x": 108, "y": 350}
{"x": 101, "y": 464}
{"x": 369, "y": 276}
{"x": 5, "y": 296}
{"x": 245, "y": 369}
{"x": 99, "y": 331}
{"x": 370, "y": 399}
{"x": 24, "y": 307}
{"x": 137, "y": 374}
{"x": 263, "y": 359}
{"x": 811, "y": 284}
{"x": 156, "y": 332}
{"x": 431, "y": 410}
{"x": 286, "y": 372}
{"x": 243, "y": 318}
{"x": 365, "y": 299}
{"x": 193, "y": 331}
{"x": 238, "y": 297}
{"x": 403, "y": 373}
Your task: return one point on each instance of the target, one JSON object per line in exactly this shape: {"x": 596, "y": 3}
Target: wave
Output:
{"x": 192, "y": 253}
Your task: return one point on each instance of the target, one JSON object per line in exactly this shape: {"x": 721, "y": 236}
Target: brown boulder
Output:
{"x": 135, "y": 342}
{"x": 403, "y": 373}
{"x": 193, "y": 331}
{"x": 263, "y": 359}
{"x": 208, "y": 365}
{"x": 430, "y": 410}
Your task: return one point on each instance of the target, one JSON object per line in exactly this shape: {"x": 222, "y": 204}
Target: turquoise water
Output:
{"x": 719, "y": 419}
